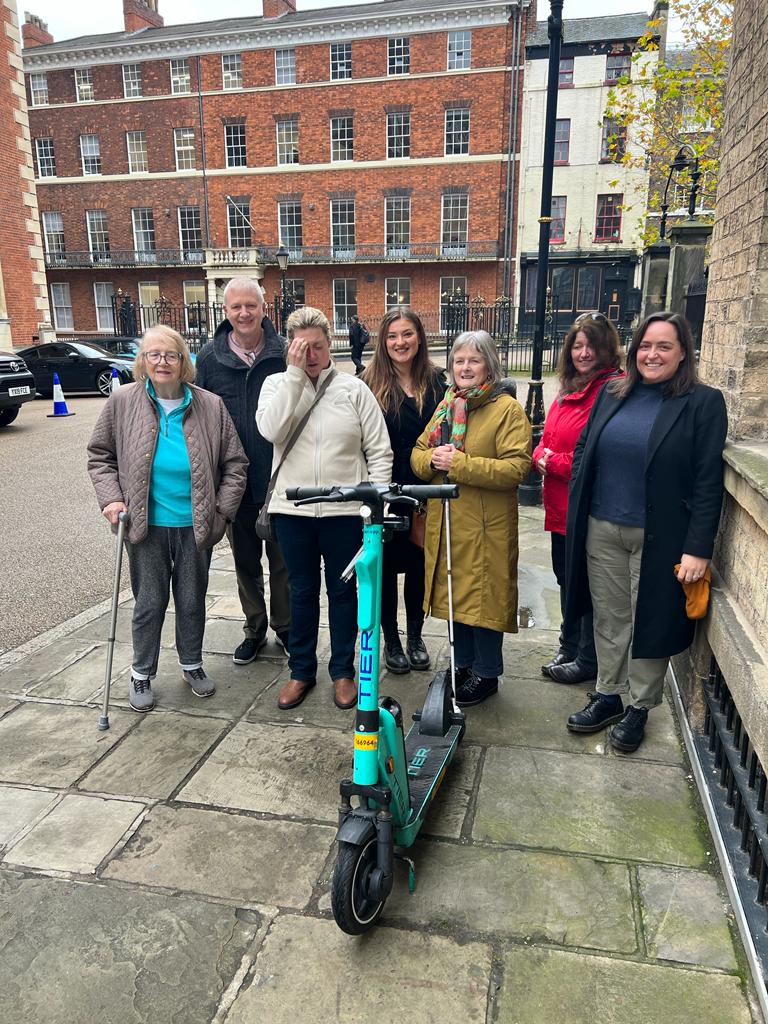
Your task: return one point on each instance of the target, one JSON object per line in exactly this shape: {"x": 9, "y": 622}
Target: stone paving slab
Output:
{"x": 77, "y": 834}
{"x": 684, "y": 917}
{"x": 572, "y": 901}
{"x": 20, "y": 807}
{"x": 552, "y": 987}
{"x": 230, "y": 856}
{"x": 77, "y": 953}
{"x": 221, "y": 581}
{"x": 385, "y": 976}
{"x": 85, "y": 679}
{"x": 291, "y": 770}
{"x": 154, "y": 759}
{"x": 53, "y": 745}
{"x": 227, "y": 606}
{"x": 24, "y": 674}
{"x": 590, "y": 805}
{"x": 7, "y": 704}
{"x": 98, "y": 629}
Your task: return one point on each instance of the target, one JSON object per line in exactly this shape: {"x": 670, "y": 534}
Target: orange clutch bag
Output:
{"x": 696, "y": 594}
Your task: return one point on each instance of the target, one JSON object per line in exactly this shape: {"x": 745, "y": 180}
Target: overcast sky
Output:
{"x": 89, "y": 17}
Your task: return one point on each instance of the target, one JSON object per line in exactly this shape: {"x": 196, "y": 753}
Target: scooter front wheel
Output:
{"x": 353, "y": 908}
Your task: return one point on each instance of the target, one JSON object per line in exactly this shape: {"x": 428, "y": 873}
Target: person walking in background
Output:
{"x": 167, "y": 453}
{"x": 245, "y": 350}
{"x": 327, "y": 428}
{"x": 488, "y": 455}
{"x": 589, "y": 357}
{"x": 408, "y": 387}
{"x": 646, "y": 496}
{"x": 358, "y": 339}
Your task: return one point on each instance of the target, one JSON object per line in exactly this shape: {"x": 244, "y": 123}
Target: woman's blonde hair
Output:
{"x": 161, "y": 332}
{"x": 307, "y": 317}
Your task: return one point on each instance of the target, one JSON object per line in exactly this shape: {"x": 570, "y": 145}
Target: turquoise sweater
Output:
{"x": 170, "y": 482}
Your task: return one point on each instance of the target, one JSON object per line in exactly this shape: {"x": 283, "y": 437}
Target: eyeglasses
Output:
{"x": 595, "y": 315}
{"x": 158, "y": 357}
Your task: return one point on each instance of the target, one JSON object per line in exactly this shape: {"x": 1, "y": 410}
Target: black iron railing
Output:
{"x": 125, "y": 258}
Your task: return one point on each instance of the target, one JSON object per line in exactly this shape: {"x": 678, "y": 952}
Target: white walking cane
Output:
{"x": 121, "y": 520}
{"x": 445, "y": 437}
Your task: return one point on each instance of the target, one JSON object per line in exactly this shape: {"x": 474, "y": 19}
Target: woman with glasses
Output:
{"x": 645, "y": 499}
{"x": 166, "y": 453}
{"x": 589, "y": 357}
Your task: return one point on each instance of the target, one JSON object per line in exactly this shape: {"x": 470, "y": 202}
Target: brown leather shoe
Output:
{"x": 293, "y": 693}
{"x": 344, "y": 693}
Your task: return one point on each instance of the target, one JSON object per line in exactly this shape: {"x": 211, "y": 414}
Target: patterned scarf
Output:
{"x": 454, "y": 407}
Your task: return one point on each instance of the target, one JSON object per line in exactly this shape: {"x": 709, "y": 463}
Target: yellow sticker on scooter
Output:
{"x": 363, "y": 742}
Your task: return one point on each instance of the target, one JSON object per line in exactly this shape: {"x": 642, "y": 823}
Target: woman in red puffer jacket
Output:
{"x": 590, "y": 356}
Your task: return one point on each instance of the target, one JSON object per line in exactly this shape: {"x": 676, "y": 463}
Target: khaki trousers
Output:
{"x": 247, "y": 551}
{"x": 613, "y": 559}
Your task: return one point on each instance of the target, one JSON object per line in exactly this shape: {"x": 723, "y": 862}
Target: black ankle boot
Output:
{"x": 417, "y": 652}
{"x": 394, "y": 656}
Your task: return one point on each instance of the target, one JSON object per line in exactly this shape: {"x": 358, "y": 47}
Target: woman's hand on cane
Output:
{"x": 113, "y": 510}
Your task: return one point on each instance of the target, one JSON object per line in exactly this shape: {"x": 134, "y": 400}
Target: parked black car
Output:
{"x": 118, "y": 345}
{"x": 80, "y": 367}
{"x": 17, "y": 385}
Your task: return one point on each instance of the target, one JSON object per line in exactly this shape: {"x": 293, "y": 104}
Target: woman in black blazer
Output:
{"x": 646, "y": 493}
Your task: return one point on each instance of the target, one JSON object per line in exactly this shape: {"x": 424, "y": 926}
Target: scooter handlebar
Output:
{"x": 298, "y": 493}
{"x": 424, "y": 491}
{"x": 368, "y": 492}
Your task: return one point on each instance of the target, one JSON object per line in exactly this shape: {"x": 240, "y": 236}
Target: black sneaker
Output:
{"x": 248, "y": 650}
{"x": 628, "y": 734}
{"x": 282, "y": 638}
{"x": 600, "y": 712}
{"x": 475, "y": 689}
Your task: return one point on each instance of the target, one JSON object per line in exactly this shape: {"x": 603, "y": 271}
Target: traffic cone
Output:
{"x": 59, "y": 405}
{"x": 115, "y": 384}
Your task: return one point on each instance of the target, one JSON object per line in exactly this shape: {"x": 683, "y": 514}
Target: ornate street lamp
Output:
{"x": 283, "y": 258}
{"x": 686, "y": 159}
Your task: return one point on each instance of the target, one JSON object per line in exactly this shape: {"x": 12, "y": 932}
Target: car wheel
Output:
{"x": 7, "y": 416}
{"x": 104, "y": 382}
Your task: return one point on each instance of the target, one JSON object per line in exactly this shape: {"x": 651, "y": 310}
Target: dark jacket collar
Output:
{"x": 274, "y": 345}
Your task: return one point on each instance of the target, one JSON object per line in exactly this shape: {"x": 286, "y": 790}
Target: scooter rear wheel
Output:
{"x": 355, "y": 912}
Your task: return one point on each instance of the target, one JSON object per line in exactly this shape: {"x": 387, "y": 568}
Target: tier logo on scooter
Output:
{"x": 366, "y": 663}
{"x": 418, "y": 760}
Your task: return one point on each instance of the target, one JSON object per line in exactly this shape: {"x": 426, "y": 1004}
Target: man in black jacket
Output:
{"x": 358, "y": 339}
{"x": 245, "y": 350}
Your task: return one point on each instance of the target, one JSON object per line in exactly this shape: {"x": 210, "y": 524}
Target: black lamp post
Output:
{"x": 283, "y": 257}
{"x": 530, "y": 489}
{"x": 686, "y": 159}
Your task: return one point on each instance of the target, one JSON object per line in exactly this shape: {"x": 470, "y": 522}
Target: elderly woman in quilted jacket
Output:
{"x": 167, "y": 453}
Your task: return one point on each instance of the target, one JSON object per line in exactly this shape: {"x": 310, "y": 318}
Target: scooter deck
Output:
{"x": 428, "y": 758}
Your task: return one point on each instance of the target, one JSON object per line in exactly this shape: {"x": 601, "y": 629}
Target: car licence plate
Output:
{"x": 18, "y": 391}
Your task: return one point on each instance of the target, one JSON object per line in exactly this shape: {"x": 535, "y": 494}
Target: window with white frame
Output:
{"x": 455, "y": 220}
{"x": 132, "y": 80}
{"x": 681, "y": 195}
{"x": 341, "y": 61}
{"x": 38, "y": 89}
{"x": 232, "y": 71}
{"x": 149, "y": 301}
{"x": 239, "y": 224}
{"x": 285, "y": 67}
{"x": 457, "y": 131}
{"x": 342, "y": 139}
{"x": 53, "y": 233}
{"x": 234, "y": 145}
{"x": 61, "y": 303}
{"x": 290, "y": 228}
{"x": 195, "y": 310}
{"x": 459, "y": 50}
{"x": 453, "y": 290}
{"x": 343, "y": 227}
{"x": 397, "y": 225}
{"x": 90, "y": 154}
{"x": 103, "y": 300}
{"x": 84, "y": 85}
{"x": 136, "y": 145}
{"x": 399, "y": 56}
{"x": 98, "y": 234}
{"x": 190, "y": 233}
{"x": 344, "y": 302}
{"x": 294, "y": 287}
{"x": 184, "y": 148}
{"x": 144, "y": 234}
{"x": 398, "y": 135}
{"x": 46, "y": 158}
{"x": 181, "y": 81}
{"x": 618, "y": 65}
{"x": 288, "y": 141}
{"x": 397, "y": 291}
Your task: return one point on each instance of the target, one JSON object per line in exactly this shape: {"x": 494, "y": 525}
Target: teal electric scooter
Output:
{"x": 396, "y": 777}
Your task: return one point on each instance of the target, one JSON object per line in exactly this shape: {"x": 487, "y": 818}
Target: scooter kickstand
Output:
{"x": 411, "y": 871}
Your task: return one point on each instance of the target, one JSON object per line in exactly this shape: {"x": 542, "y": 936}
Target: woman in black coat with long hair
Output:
{"x": 408, "y": 387}
{"x": 646, "y": 495}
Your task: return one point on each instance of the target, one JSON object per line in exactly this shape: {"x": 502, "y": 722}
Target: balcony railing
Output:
{"x": 124, "y": 258}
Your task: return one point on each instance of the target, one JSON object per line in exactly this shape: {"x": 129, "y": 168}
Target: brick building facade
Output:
{"x": 373, "y": 142}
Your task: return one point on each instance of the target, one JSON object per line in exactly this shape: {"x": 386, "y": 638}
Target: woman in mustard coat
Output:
{"x": 487, "y": 455}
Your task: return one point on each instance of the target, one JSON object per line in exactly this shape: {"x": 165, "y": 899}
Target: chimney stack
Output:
{"x": 34, "y": 31}
{"x": 275, "y": 8}
{"x": 138, "y": 14}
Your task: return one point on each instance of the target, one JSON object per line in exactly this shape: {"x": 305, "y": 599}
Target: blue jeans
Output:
{"x": 478, "y": 648}
{"x": 304, "y": 540}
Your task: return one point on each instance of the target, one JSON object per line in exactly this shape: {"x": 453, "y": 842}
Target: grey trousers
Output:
{"x": 167, "y": 559}
{"x": 613, "y": 560}
{"x": 247, "y": 551}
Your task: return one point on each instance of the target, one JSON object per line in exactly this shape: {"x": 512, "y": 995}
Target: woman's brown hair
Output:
{"x": 685, "y": 377}
{"x": 604, "y": 339}
{"x": 380, "y": 373}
